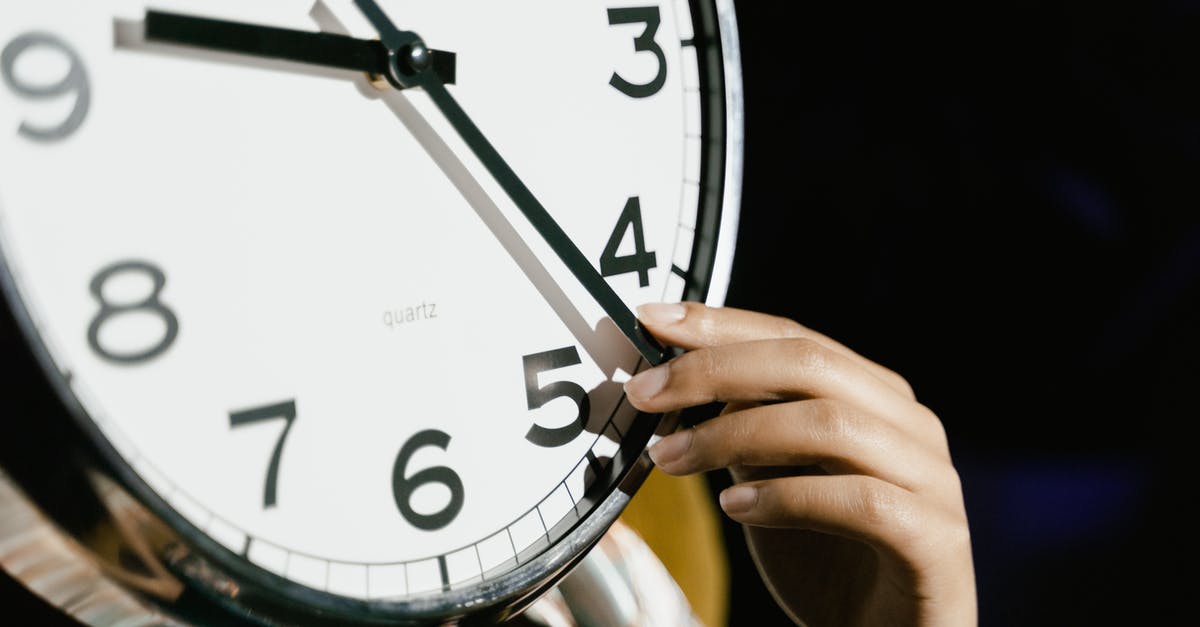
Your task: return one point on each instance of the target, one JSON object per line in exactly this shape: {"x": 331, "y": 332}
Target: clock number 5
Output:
{"x": 652, "y": 18}
{"x": 540, "y": 396}
{"x": 75, "y": 81}
{"x": 285, "y": 410}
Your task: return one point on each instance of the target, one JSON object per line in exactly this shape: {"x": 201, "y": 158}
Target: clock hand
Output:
{"x": 130, "y": 34}
{"x": 592, "y": 340}
{"x": 323, "y": 49}
{"x": 410, "y": 70}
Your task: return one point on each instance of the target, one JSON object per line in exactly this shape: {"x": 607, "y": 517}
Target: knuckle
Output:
{"x": 902, "y": 385}
{"x": 953, "y": 481}
{"x": 708, "y": 363}
{"x": 834, "y": 422}
{"x": 956, "y": 538}
{"x": 705, "y": 438}
{"x": 946, "y": 536}
{"x": 738, "y": 440}
{"x": 722, "y": 441}
{"x": 947, "y": 481}
{"x": 704, "y": 322}
{"x": 935, "y": 427}
{"x": 883, "y": 508}
{"x": 696, "y": 373}
{"x": 807, "y": 354}
{"x": 786, "y": 327}
{"x": 689, "y": 364}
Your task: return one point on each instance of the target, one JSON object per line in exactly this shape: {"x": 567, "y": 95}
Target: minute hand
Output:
{"x": 410, "y": 68}
{"x": 558, "y": 240}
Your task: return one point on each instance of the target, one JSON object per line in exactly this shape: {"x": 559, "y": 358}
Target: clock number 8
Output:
{"x": 150, "y": 304}
{"x": 403, "y": 487}
{"x": 75, "y": 81}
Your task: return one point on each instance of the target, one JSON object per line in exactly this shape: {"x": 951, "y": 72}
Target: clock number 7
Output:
{"x": 652, "y": 18}
{"x": 75, "y": 81}
{"x": 538, "y": 396}
{"x": 285, "y": 410}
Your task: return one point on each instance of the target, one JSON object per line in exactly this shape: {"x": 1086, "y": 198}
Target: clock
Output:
{"x": 320, "y": 313}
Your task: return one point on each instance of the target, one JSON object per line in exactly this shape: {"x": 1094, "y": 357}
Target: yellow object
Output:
{"x": 676, "y": 516}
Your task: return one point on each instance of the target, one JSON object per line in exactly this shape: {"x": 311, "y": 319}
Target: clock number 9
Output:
{"x": 539, "y": 396}
{"x": 151, "y": 304}
{"x": 75, "y": 82}
{"x": 403, "y": 487}
{"x": 652, "y": 18}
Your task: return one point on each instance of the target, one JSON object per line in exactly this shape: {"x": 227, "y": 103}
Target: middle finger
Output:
{"x": 770, "y": 371}
{"x": 821, "y": 432}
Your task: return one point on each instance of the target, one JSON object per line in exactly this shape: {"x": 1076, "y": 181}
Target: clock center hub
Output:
{"x": 408, "y": 58}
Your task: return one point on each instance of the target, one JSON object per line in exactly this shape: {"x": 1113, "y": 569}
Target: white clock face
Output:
{"x": 303, "y": 313}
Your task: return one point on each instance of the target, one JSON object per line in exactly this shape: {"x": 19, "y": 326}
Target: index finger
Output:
{"x": 695, "y": 325}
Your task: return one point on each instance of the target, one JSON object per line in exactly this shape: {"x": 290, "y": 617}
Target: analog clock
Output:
{"x": 329, "y": 306}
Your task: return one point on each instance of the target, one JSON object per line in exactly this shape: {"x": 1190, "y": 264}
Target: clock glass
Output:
{"x": 305, "y": 318}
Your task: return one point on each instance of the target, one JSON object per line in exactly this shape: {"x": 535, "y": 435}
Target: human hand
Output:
{"x": 852, "y": 508}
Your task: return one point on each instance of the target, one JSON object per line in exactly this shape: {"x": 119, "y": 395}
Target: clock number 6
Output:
{"x": 403, "y": 487}
{"x": 151, "y": 304}
{"x": 652, "y": 18}
{"x": 74, "y": 81}
{"x": 540, "y": 396}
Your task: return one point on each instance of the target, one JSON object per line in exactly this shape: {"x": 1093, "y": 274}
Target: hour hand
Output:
{"x": 369, "y": 56}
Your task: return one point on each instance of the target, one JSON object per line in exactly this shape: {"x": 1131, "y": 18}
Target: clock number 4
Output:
{"x": 74, "y": 82}
{"x": 641, "y": 261}
{"x": 285, "y": 410}
{"x": 151, "y": 305}
{"x": 538, "y": 396}
{"x": 652, "y": 18}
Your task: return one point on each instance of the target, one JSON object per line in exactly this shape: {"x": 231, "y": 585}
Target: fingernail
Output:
{"x": 671, "y": 448}
{"x": 646, "y": 385}
{"x": 661, "y": 314}
{"x": 738, "y": 499}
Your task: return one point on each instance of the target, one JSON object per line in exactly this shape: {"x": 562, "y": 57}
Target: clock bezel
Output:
{"x": 212, "y": 566}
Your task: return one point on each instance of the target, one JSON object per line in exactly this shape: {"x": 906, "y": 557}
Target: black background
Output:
{"x": 999, "y": 201}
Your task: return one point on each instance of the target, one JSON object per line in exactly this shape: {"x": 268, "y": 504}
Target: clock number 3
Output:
{"x": 652, "y": 18}
{"x": 74, "y": 81}
{"x": 539, "y": 396}
{"x": 151, "y": 304}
